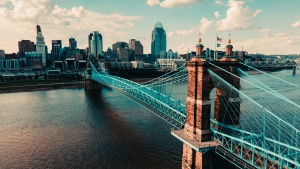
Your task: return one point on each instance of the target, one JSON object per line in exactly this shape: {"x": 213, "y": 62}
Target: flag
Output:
{"x": 218, "y": 45}
{"x": 219, "y": 39}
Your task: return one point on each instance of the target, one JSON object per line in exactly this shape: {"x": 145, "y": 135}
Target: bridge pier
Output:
{"x": 198, "y": 143}
{"x": 294, "y": 70}
{"x": 90, "y": 84}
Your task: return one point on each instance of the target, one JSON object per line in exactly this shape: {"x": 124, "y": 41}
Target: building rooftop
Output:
{"x": 158, "y": 25}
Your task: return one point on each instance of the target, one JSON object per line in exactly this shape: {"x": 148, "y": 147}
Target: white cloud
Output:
{"x": 281, "y": 34}
{"x": 270, "y": 45}
{"x": 3, "y": 2}
{"x": 201, "y": 27}
{"x": 217, "y": 14}
{"x": 219, "y": 2}
{"x": 61, "y": 23}
{"x": 237, "y": 17}
{"x": 169, "y": 34}
{"x": 186, "y": 32}
{"x": 153, "y": 2}
{"x": 265, "y": 32}
{"x": 171, "y": 3}
{"x": 296, "y": 24}
{"x": 185, "y": 48}
{"x": 205, "y": 24}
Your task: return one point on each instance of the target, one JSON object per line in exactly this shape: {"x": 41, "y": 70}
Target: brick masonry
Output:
{"x": 198, "y": 107}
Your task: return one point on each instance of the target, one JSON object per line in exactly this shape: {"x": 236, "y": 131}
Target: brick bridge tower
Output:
{"x": 88, "y": 83}
{"x": 196, "y": 136}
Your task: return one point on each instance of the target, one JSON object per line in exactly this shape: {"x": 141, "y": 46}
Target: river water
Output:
{"x": 72, "y": 128}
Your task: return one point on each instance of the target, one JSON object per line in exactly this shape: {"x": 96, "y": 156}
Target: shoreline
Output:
{"x": 35, "y": 85}
{"x": 31, "y": 86}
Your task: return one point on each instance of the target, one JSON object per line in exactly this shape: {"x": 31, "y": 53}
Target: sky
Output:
{"x": 256, "y": 26}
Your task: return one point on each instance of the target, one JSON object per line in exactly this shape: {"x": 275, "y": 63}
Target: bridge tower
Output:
{"x": 196, "y": 135}
{"x": 89, "y": 84}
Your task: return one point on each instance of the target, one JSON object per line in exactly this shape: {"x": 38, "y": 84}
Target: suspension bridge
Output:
{"x": 247, "y": 132}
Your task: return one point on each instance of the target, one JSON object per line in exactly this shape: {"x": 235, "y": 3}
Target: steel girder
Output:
{"x": 170, "y": 110}
{"x": 271, "y": 64}
{"x": 255, "y": 149}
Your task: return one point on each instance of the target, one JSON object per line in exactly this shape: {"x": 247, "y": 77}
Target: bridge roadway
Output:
{"x": 197, "y": 125}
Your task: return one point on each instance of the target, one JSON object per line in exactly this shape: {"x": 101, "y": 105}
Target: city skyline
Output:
{"x": 268, "y": 27}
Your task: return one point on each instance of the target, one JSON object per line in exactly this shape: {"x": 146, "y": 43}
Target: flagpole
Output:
{"x": 215, "y": 47}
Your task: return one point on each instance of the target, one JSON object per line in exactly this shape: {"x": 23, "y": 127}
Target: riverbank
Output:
{"x": 37, "y": 85}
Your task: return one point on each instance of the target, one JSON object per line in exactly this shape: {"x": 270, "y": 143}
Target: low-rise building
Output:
{"x": 33, "y": 60}
{"x": 170, "y": 64}
{"x": 137, "y": 64}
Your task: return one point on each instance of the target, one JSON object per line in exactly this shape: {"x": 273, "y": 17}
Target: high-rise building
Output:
{"x": 95, "y": 43}
{"x": 2, "y": 54}
{"x": 136, "y": 47}
{"x": 72, "y": 43}
{"x": 121, "y": 51}
{"x": 40, "y": 45}
{"x": 55, "y": 52}
{"x": 159, "y": 41}
{"x": 117, "y": 45}
{"x": 25, "y": 46}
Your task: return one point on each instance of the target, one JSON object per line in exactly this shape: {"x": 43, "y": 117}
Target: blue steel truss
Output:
{"x": 244, "y": 148}
{"x": 165, "y": 107}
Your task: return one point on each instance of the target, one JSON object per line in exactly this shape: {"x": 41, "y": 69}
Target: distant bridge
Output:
{"x": 271, "y": 64}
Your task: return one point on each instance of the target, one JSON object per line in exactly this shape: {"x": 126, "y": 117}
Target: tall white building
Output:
{"x": 95, "y": 43}
{"x": 40, "y": 46}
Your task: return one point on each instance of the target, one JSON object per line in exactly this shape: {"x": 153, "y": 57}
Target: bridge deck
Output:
{"x": 198, "y": 146}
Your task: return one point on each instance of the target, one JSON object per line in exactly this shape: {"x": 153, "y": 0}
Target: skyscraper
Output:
{"x": 40, "y": 45}
{"x": 136, "y": 47}
{"x": 72, "y": 43}
{"x": 95, "y": 43}
{"x": 159, "y": 41}
{"x": 56, "y": 48}
{"x": 2, "y": 54}
{"x": 121, "y": 50}
{"x": 25, "y": 46}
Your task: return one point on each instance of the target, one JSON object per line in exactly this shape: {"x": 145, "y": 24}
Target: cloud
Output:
{"x": 237, "y": 17}
{"x": 185, "y": 48}
{"x": 153, "y": 2}
{"x": 218, "y": 2}
{"x": 217, "y": 14}
{"x": 281, "y": 34}
{"x": 186, "y": 32}
{"x": 264, "y": 30}
{"x": 296, "y": 24}
{"x": 205, "y": 24}
{"x": 3, "y": 2}
{"x": 31, "y": 10}
{"x": 171, "y": 3}
{"x": 61, "y": 23}
{"x": 201, "y": 27}
{"x": 169, "y": 34}
{"x": 270, "y": 45}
